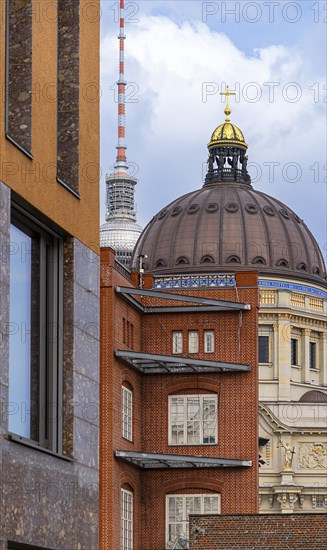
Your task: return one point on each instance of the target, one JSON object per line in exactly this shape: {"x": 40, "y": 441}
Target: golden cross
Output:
{"x": 227, "y": 110}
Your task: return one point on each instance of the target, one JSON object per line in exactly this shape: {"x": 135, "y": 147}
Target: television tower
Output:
{"x": 120, "y": 231}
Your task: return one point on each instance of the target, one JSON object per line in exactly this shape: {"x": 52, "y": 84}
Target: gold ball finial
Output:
{"x": 227, "y": 110}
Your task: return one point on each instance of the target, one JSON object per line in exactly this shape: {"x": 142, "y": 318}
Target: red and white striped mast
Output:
{"x": 121, "y": 162}
{"x": 120, "y": 186}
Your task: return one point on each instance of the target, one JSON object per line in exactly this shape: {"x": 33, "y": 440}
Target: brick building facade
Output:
{"x": 178, "y": 425}
{"x": 265, "y": 531}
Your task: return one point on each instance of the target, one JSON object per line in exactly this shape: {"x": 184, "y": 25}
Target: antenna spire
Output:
{"x": 121, "y": 161}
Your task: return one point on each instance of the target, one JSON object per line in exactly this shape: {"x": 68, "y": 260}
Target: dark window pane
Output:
{"x": 19, "y": 73}
{"x": 263, "y": 349}
{"x": 294, "y": 351}
{"x": 312, "y": 355}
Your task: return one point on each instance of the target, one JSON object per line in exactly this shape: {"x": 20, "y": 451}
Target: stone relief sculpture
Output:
{"x": 313, "y": 455}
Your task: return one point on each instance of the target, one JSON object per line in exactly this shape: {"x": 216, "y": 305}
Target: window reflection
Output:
{"x": 24, "y": 330}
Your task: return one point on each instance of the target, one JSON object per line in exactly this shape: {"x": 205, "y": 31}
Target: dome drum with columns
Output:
{"x": 227, "y": 159}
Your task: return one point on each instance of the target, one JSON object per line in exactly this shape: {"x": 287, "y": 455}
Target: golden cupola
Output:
{"x": 227, "y": 134}
{"x": 227, "y": 159}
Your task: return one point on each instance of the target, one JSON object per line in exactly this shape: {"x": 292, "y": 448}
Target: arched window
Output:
{"x": 127, "y": 412}
{"x": 160, "y": 263}
{"x": 282, "y": 263}
{"x": 126, "y": 519}
{"x": 207, "y": 259}
{"x": 233, "y": 259}
{"x": 182, "y": 260}
{"x": 259, "y": 260}
{"x": 178, "y": 507}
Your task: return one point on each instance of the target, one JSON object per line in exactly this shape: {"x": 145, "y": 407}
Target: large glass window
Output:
{"x": 193, "y": 419}
{"x": 127, "y": 403}
{"x": 178, "y": 509}
{"x": 126, "y": 525}
{"x": 34, "y": 342}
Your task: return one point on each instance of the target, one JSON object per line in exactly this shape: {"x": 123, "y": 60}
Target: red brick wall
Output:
{"x": 271, "y": 532}
{"x": 115, "y": 475}
{"x": 237, "y": 409}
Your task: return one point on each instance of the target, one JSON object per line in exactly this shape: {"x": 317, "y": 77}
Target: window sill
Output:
{"x": 33, "y": 445}
{"x": 296, "y": 367}
{"x": 192, "y": 444}
{"x": 20, "y": 147}
{"x": 69, "y": 188}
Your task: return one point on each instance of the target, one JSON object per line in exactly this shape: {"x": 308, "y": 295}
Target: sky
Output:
{"x": 179, "y": 56}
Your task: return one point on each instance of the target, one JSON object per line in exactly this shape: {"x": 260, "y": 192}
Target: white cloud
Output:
{"x": 169, "y": 127}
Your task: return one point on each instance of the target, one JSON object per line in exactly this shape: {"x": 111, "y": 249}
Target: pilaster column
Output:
{"x": 284, "y": 359}
{"x": 305, "y": 356}
{"x": 275, "y": 352}
{"x": 323, "y": 358}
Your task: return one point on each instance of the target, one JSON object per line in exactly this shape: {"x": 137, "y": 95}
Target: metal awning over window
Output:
{"x": 149, "y": 363}
{"x": 155, "y": 461}
{"x": 197, "y": 304}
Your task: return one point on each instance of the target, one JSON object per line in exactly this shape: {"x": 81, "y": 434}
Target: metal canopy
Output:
{"x": 156, "y": 461}
{"x": 205, "y": 304}
{"x": 149, "y": 363}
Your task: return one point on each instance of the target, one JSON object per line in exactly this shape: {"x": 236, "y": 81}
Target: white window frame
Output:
{"x": 126, "y": 520}
{"x": 184, "y": 521}
{"x": 193, "y": 341}
{"x": 127, "y": 413}
{"x": 209, "y": 343}
{"x": 177, "y": 341}
{"x": 185, "y": 420}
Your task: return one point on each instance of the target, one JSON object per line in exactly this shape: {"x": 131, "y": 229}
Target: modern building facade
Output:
{"x": 179, "y": 403}
{"x": 49, "y": 312}
{"x": 229, "y": 225}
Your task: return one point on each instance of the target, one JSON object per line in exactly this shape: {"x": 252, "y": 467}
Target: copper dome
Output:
{"x": 229, "y": 226}
{"x": 313, "y": 396}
